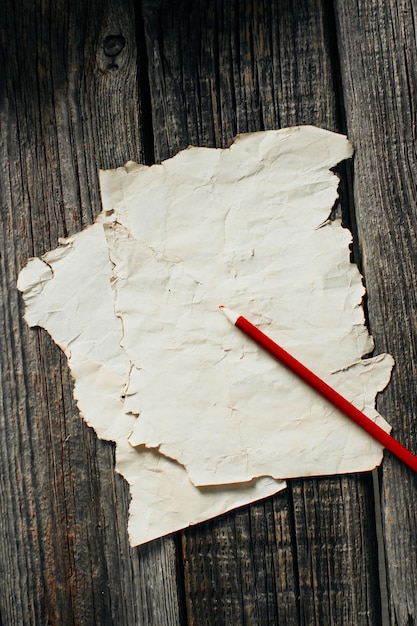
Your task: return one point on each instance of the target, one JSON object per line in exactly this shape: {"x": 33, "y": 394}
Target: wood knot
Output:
{"x": 113, "y": 45}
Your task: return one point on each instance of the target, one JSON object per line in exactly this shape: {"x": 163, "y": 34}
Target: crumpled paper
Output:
{"x": 68, "y": 292}
{"x": 197, "y": 410}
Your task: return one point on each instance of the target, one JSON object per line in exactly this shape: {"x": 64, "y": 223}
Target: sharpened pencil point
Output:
{"x": 231, "y": 315}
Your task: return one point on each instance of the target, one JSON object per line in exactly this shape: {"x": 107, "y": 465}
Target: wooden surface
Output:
{"x": 379, "y": 72}
{"x": 87, "y": 85}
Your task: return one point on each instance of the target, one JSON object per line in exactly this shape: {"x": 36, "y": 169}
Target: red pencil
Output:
{"x": 322, "y": 388}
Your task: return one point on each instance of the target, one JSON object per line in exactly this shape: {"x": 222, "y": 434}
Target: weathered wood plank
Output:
{"x": 68, "y": 105}
{"x": 347, "y": 592}
{"x": 217, "y": 68}
{"x": 379, "y": 70}
{"x": 246, "y": 559}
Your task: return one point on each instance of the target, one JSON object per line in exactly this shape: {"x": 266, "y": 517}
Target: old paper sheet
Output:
{"x": 68, "y": 292}
{"x": 160, "y": 371}
{"x": 245, "y": 227}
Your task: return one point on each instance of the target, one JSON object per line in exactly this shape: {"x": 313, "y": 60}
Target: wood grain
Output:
{"x": 379, "y": 70}
{"x": 246, "y": 559}
{"x": 87, "y": 85}
{"x": 67, "y": 108}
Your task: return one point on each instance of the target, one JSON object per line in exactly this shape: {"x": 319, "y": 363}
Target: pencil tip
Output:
{"x": 231, "y": 315}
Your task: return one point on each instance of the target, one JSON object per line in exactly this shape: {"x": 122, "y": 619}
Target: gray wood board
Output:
{"x": 67, "y": 108}
{"x": 89, "y": 85}
{"x": 379, "y": 71}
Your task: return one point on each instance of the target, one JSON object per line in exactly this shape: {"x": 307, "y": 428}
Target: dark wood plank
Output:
{"x": 379, "y": 70}
{"x": 68, "y": 105}
{"x": 246, "y": 559}
{"x": 347, "y": 592}
{"x": 217, "y": 68}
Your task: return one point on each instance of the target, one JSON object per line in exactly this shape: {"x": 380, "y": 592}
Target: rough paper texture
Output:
{"x": 68, "y": 292}
{"x": 187, "y": 398}
{"x": 246, "y": 227}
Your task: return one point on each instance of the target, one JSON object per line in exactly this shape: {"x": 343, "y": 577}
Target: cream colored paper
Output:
{"x": 154, "y": 361}
{"x": 245, "y": 227}
{"x": 68, "y": 292}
